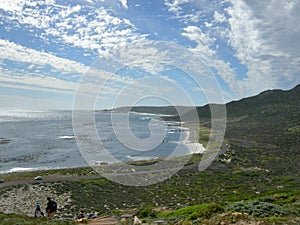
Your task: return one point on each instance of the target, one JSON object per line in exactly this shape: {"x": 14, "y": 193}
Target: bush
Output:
{"x": 147, "y": 211}
{"x": 260, "y": 209}
{"x": 195, "y": 212}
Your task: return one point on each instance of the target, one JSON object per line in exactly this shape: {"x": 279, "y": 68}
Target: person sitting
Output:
{"x": 38, "y": 211}
{"x": 92, "y": 215}
{"x": 81, "y": 216}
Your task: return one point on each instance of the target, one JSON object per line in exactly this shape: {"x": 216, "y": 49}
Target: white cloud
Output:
{"x": 204, "y": 47}
{"x": 96, "y": 30}
{"x": 18, "y": 53}
{"x": 196, "y": 34}
{"x": 103, "y": 33}
{"x": 89, "y": 88}
{"x": 34, "y": 82}
{"x": 193, "y": 12}
{"x": 203, "y": 40}
{"x": 266, "y": 38}
{"x": 39, "y": 103}
{"x": 175, "y": 5}
{"x": 42, "y": 80}
{"x": 12, "y": 5}
{"x": 207, "y": 25}
{"x": 219, "y": 18}
{"x": 263, "y": 34}
{"x": 124, "y": 4}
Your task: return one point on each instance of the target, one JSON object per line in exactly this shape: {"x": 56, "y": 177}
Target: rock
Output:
{"x": 4, "y": 141}
{"x": 136, "y": 221}
{"x": 126, "y": 217}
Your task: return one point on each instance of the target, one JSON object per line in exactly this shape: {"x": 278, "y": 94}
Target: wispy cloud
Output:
{"x": 32, "y": 81}
{"x": 202, "y": 39}
{"x": 272, "y": 57}
{"x": 251, "y": 30}
{"x": 18, "y": 53}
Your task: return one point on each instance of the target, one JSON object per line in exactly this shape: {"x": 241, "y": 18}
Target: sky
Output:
{"x": 157, "y": 52}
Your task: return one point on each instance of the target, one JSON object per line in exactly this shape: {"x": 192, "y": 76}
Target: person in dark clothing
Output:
{"x": 51, "y": 207}
{"x": 80, "y": 216}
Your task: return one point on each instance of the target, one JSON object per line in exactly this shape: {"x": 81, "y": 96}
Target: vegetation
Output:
{"x": 194, "y": 212}
{"x": 13, "y": 219}
{"x": 262, "y": 209}
{"x": 55, "y": 173}
{"x": 204, "y": 134}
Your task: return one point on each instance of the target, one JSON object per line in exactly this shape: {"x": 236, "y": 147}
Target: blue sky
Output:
{"x": 49, "y": 48}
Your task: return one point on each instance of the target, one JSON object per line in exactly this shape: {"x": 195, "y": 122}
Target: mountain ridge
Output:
{"x": 268, "y": 96}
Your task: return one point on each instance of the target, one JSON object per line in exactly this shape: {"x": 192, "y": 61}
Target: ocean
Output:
{"x": 40, "y": 140}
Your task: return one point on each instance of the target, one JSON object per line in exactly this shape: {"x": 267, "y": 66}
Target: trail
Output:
{"x": 106, "y": 220}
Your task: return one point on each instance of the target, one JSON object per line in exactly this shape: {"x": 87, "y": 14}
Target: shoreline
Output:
{"x": 27, "y": 169}
{"x": 189, "y": 141}
{"x": 194, "y": 146}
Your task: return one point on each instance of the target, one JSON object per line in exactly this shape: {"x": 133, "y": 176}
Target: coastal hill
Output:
{"x": 163, "y": 110}
{"x": 267, "y": 103}
{"x": 269, "y": 117}
{"x": 255, "y": 182}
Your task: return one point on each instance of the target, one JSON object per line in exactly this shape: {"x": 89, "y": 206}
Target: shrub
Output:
{"x": 195, "y": 212}
{"x": 260, "y": 209}
{"x": 147, "y": 211}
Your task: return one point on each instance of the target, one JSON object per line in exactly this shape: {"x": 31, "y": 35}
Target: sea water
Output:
{"x": 35, "y": 140}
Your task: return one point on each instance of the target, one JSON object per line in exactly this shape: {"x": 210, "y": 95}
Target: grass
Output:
{"x": 54, "y": 173}
{"x": 194, "y": 212}
{"x": 204, "y": 134}
{"x": 13, "y": 219}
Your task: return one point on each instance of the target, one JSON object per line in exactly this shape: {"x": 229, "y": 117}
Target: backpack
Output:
{"x": 53, "y": 206}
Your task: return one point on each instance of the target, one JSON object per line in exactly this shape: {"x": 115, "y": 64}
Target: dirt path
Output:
{"x": 107, "y": 220}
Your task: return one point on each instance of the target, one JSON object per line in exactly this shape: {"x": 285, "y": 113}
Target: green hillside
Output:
{"x": 271, "y": 117}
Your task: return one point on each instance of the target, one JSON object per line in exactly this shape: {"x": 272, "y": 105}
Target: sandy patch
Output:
{"x": 195, "y": 147}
